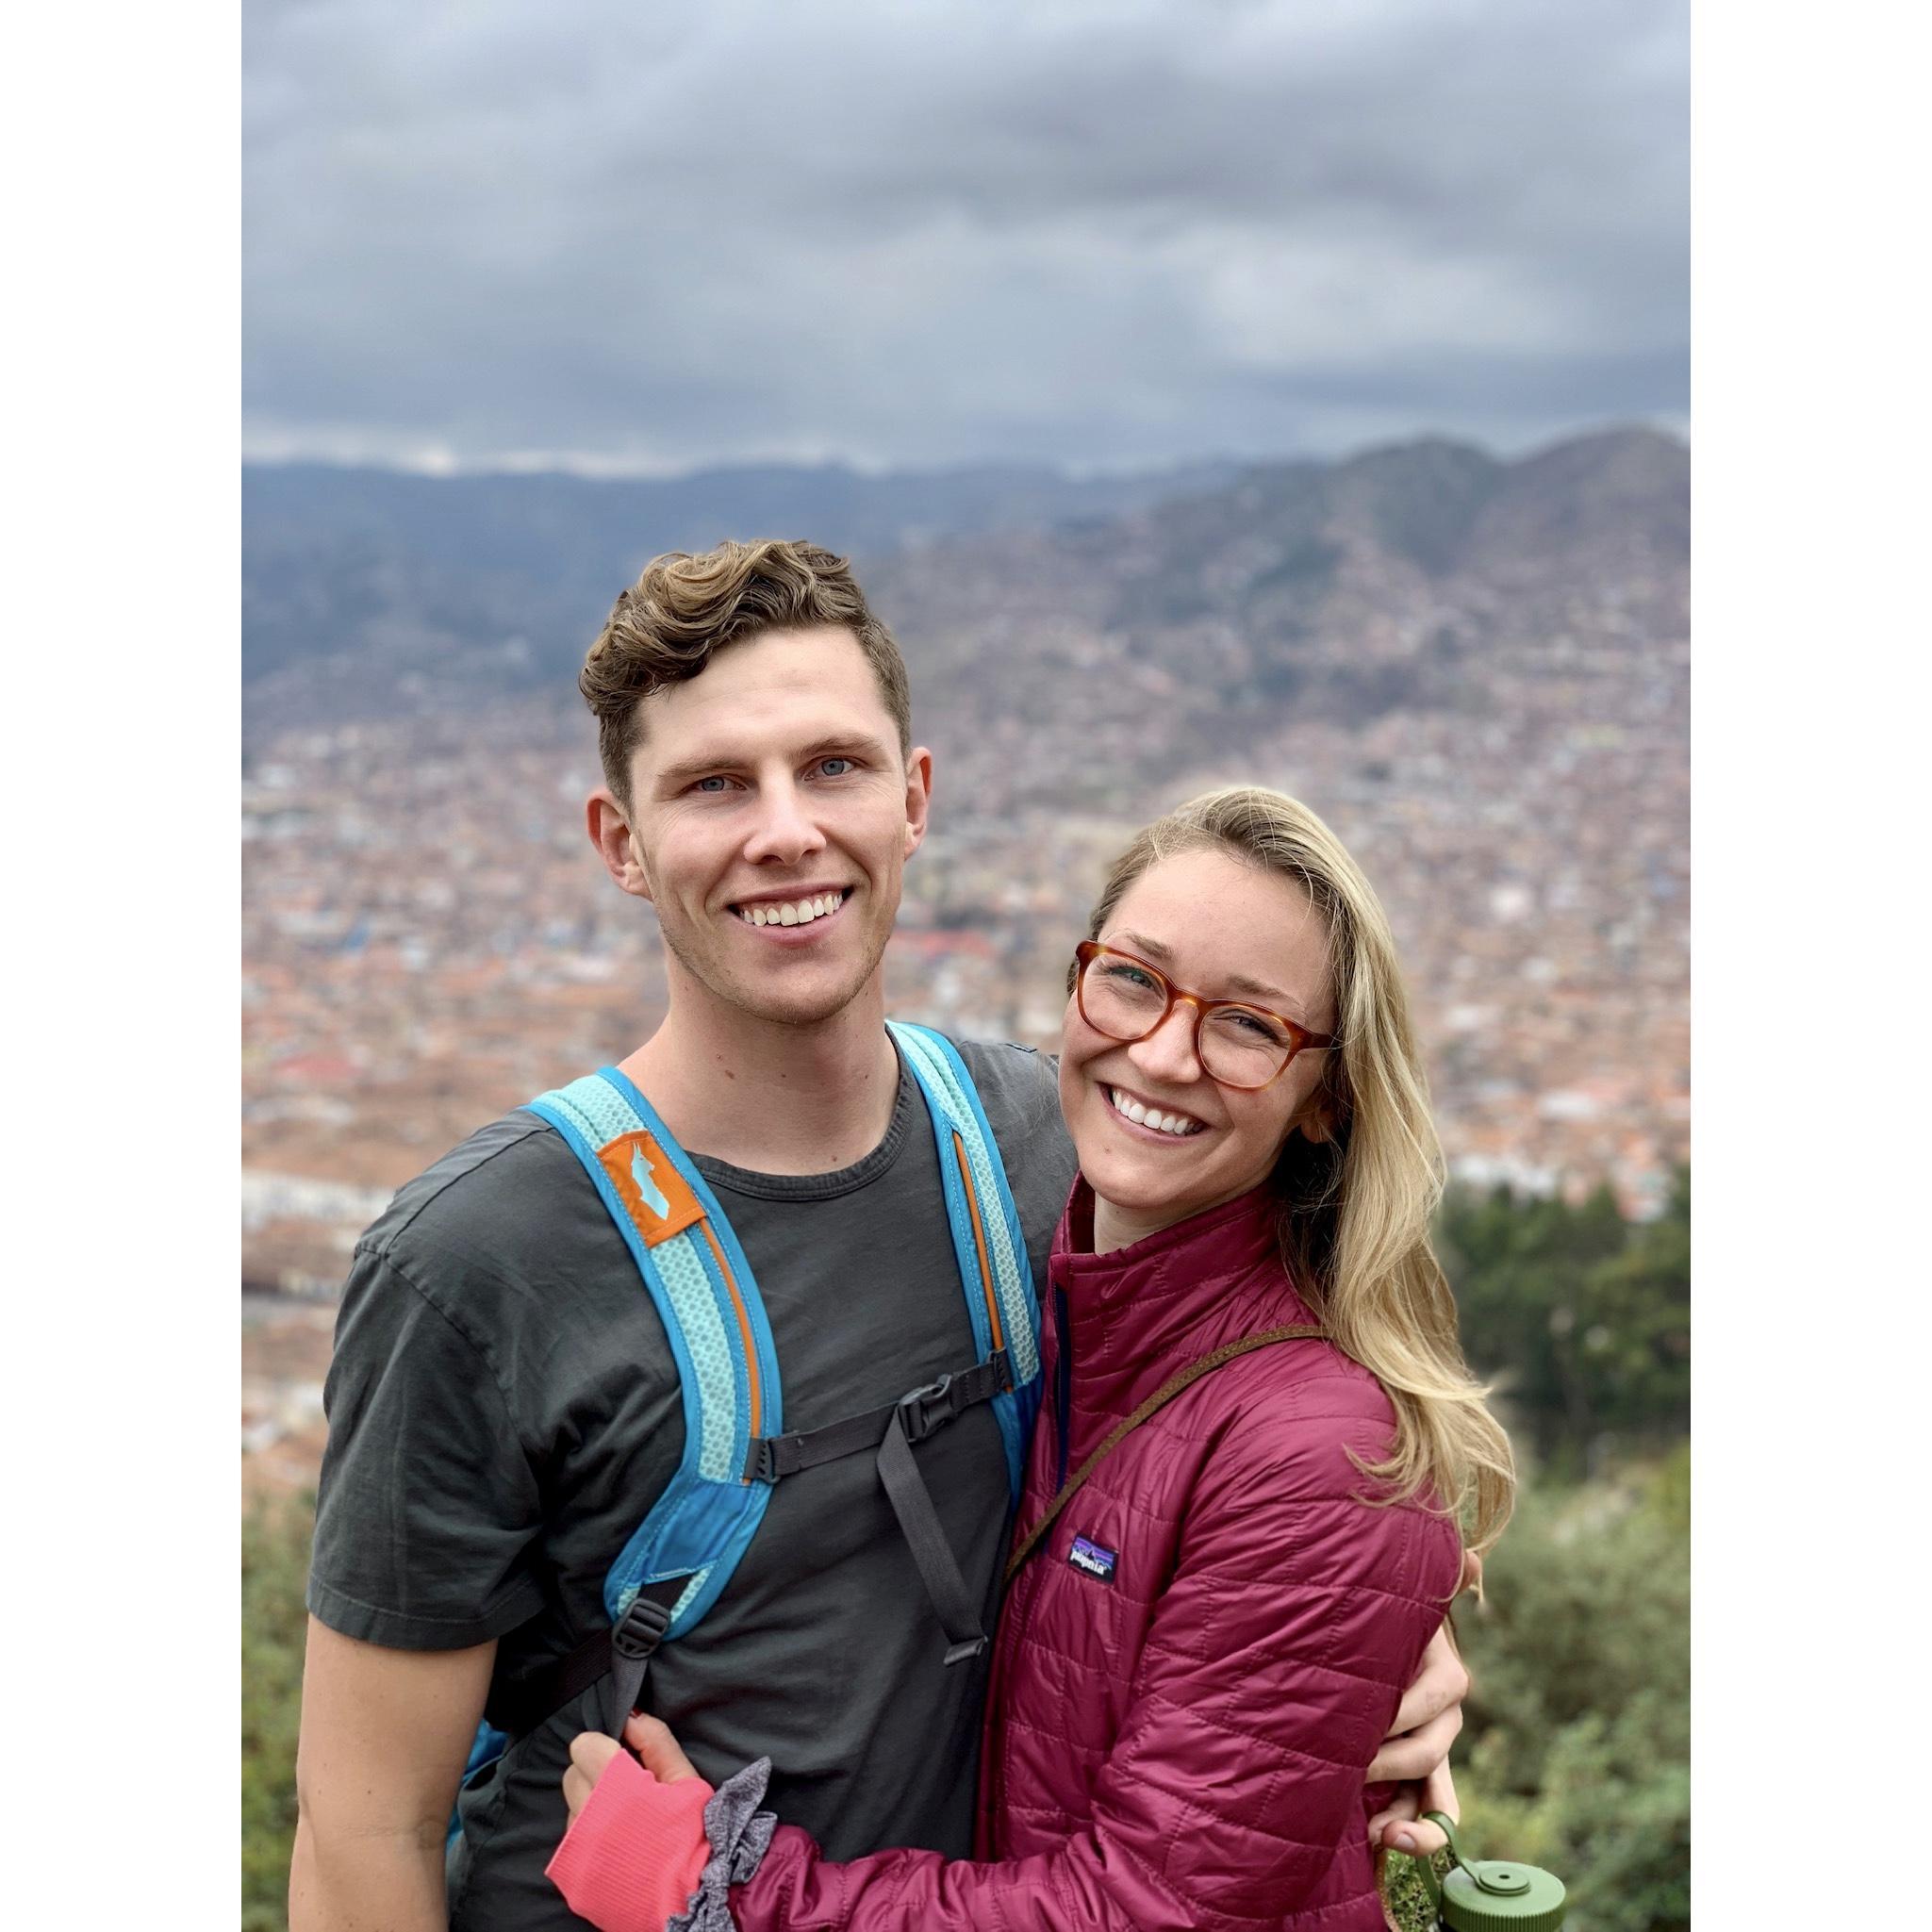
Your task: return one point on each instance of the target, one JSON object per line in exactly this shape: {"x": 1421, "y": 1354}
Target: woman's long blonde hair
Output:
{"x": 1356, "y": 1208}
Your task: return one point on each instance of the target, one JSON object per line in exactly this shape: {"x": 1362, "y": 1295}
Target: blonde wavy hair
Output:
{"x": 1356, "y": 1208}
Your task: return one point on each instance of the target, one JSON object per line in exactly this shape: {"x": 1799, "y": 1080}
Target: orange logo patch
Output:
{"x": 658, "y": 1197}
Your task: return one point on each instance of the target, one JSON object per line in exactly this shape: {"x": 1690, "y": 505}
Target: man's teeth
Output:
{"x": 1176, "y": 1124}
{"x": 801, "y": 913}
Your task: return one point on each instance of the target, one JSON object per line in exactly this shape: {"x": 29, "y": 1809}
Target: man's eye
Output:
{"x": 835, "y": 768}
{"x": 711, "y": 785}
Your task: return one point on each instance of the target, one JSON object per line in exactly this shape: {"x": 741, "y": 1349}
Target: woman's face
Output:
{"x": 1225, "y": 930}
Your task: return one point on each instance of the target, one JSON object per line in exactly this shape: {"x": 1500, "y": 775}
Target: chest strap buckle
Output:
{"x": 925, "y": 1411}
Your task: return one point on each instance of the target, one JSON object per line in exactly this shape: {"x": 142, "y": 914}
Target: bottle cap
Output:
{"x": 1493, "y": 1894}
{"x": 1498, "y": 1895}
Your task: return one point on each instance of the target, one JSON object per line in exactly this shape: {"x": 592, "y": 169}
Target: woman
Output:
{"x": 1199, "y": 1660}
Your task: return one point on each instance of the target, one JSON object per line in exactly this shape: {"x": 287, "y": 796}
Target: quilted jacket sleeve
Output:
{"x": 1274, "y": 1665}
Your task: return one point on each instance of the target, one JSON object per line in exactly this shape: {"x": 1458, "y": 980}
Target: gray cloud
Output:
{"x": 1106, "y": 234}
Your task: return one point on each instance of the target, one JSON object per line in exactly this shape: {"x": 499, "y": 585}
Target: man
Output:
{"x": 504, "y": 1405}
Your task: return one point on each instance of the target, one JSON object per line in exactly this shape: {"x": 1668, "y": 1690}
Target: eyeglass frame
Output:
{"x": 1301, "y": 1038}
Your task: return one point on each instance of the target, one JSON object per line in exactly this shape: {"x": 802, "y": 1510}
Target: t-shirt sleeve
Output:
{"x": 428, "y": 1505}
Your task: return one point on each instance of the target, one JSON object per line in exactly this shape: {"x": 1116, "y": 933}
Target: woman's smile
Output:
{"x": 1163, "y": 1123}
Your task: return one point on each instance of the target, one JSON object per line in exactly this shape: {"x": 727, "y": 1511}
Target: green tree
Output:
{"x": 1582, "y": 1317}
{"x": 1637, "y": 1342}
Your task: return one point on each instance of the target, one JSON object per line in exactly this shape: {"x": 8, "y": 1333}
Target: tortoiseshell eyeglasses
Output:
{"x": 1238, "y": 1044}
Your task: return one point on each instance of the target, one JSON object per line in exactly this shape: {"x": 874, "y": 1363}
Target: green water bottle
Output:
{"x": 1493, "y": 1894}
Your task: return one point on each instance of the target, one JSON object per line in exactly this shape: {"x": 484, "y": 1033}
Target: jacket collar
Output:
{"x": 1139, "y": 1314}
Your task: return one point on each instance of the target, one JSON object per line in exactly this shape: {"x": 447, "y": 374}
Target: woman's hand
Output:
{"x": 1401, "y": 1827}
{"x": 1427, "y": 1720}
{"x": 1415, "y": 1753}
{"x": 657, "y": 1750}
{"x": 591, "y": 1752}
{"x": 635, "y": 1858}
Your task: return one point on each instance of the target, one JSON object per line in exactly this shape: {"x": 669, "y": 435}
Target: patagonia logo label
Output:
{"x": 1092, "y": 1559}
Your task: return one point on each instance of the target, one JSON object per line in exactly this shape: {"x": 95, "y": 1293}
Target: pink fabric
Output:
{"x": 634, "y": 1855}
{"x": 1181, "y": 1744}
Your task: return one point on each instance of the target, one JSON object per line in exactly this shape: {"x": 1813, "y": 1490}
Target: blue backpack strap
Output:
{"x": 714, "y": 1319}
{"x": 682, "y": 1555}
{"x": 988, "y": 1243}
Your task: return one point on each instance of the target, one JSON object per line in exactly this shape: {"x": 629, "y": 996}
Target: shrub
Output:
{"x": 274, "y": 1573}
{"x": 1576, "y": 1751}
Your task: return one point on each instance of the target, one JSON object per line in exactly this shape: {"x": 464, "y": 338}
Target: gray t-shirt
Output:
{"x": 504, "y": 1409}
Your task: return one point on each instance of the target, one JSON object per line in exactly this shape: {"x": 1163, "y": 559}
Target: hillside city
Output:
{"x": 429, "y": 939}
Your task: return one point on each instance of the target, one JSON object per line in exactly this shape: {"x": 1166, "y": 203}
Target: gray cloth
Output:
{"x": 739, "y": 1834}
{"x": 504, "y": 1409}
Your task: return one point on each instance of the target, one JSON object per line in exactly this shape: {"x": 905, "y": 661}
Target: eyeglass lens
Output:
{"x": 1238, "y": 1044}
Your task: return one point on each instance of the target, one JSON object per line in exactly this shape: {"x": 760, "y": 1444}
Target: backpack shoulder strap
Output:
{"x": 989, "y": 1244}
{"x": 682, "y": 1555}
{"x": 714, "y": 1320}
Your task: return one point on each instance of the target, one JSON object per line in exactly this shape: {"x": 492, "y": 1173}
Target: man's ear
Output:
{"x": 610, "y": 826}
{"x": 918, "y": 796}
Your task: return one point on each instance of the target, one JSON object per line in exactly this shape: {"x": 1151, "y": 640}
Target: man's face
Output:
{"x": 772, "y": 816}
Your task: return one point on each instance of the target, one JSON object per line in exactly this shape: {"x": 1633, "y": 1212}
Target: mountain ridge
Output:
{"x": 1356, "y": 583}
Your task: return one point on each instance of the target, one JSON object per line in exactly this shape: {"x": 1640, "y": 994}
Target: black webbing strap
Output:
{"x": 893, "y": 1428}
{"x": 621, "y": 1654}
{"x": 918, "y": 1414}
{"x": 912, "y": 1503}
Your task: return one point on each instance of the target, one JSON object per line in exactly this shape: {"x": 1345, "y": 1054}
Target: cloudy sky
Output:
{"x": 646, "y": 236}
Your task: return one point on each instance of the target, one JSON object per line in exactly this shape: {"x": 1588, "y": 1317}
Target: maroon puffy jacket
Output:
{"x": 1181, "y": 1712}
